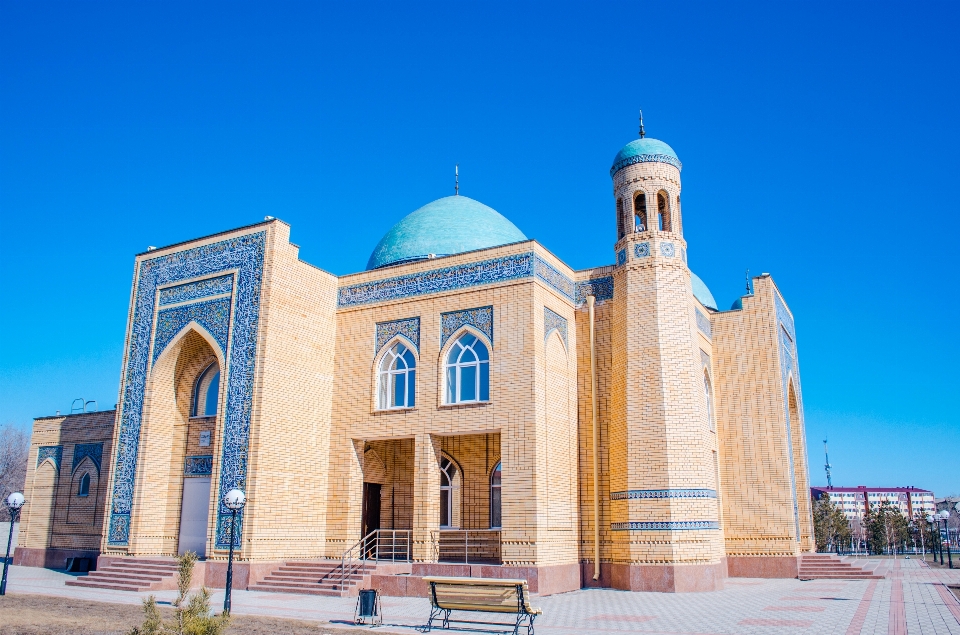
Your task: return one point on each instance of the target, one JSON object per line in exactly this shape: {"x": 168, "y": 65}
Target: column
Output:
{"x": 426, "y": 497}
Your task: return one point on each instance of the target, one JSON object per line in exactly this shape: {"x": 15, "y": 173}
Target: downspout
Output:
{"x": 596, "y": 442}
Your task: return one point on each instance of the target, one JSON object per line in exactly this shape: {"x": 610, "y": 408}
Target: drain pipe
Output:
{"x": 596, "y": 442}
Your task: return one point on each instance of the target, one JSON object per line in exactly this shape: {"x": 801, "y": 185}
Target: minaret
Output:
{"x": 663, "y": 478}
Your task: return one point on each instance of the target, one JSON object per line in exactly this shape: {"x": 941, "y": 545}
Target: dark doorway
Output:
{"x": 371, "y": 507}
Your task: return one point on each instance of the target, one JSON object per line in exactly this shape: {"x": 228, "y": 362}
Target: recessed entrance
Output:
{"x": 194, "y": 516}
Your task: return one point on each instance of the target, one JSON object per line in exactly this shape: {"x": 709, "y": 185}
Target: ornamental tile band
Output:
{"x": 52, "y": 452}
{"x": 196, "y": 290}
{"x": 645, "y": 158}
{"x": 244, "y": 254}
{"x": 663, "y": 493}
{"x": 641, "y": 250}
{"x": 553, "y": 278}
{"x": 667, "y": 249}
{"x": 81, "y": 451}
{"x": 622, "y": 257}
{"x": 213, "y": 315}
{"x": 672, "y": 525}
{"x": 198, "y": 466}
{"x": 554, "y": 322}
{"x": 788, "y": 370}
{"x": 703, "y": 323}
{"x": 407, "y": 327}
{"x": 480, "y": 318}
{"x": 599, "y": 288}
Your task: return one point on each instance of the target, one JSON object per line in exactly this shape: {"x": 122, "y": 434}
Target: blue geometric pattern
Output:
{"x": 480, "y": 318}
{"x": 788, "y": 368}
{"x": 671, "y": 525}
{"x": 244, "y": 254}
{"x": 407, "y": 327}
{"x": 622, "y": 257}
{"x": 646, "y": 158}
{"x": 527, "y": 265}
{"x": 703, "y": 323}
{"x": 600, "y": 288}
{"x": 81, "y": 451}
{"x": 198, "y": 466}
{"x": 197, "y": 290}
{"x": 667, "y": 250}
{"x": 52, "y": 452}
{"x": 641, "y": 250}
{"x": 213, "y": 315}
{"x": 554, "y": 322}
{"x": 663, "y": 493}
{"x": 683, "y": 254}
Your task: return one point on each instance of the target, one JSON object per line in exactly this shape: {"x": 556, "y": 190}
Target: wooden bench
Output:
{"x": 485, "y": 595}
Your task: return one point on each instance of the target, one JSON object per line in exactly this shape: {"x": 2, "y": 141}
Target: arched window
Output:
{"x": 398, "y": 378}
{"x": 84, "y": 488}
{"x": 620, "y": 232}
{"x": 708, "y": 394}
{"x": 448, "y": 475}
{"x": 663, "y": 211}
{"x": 640, "y": 212}
{"x": 496, "y": 520}
{"x": 206, "y": 392}
{"x": 468, "y": 371}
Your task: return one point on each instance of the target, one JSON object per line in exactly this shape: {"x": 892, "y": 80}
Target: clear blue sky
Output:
{"x": 819, "y": 144}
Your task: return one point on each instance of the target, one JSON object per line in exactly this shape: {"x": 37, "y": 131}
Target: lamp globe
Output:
{"x": 234, "y": 499}
{"x": 14, "y": 501}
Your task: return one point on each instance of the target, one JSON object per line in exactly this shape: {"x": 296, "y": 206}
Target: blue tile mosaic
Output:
{"x": 81, "y": 451}
{"x": 641, "y": 250}
{"x": 527, "y": 265}
{"x": 683, "y": 254}
{"x": 52, "y": 452}
{"x": 703, "y": 323}
{"x": 198, "y": 466}
{"x": 599, "y": 288}
{"x": 407, "y": 327}
{"x": 705, "y": 359}
{"x": 196, "y": 290}
{"x": 668, "y": 250}
{"x": 622, "y": 257}
{"x": 663, "y": 493}
{"x": 670, "y": 525}
{"x": 480, "y": 318}
{"x": 789, "y": 370}
{"x": 245, "y": 255}
{"x": 645, "y": 158}
{"x": 554, "y": 322}
{"x": 213, "y": 315}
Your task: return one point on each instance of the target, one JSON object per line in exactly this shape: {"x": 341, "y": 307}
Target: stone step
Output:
{"x": 105, "y": 584}
{"x": 306, "y": 590}
{"x": 123, "y": 575}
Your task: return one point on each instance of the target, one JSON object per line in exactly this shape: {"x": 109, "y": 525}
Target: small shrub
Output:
{"x": 191, "y": 615}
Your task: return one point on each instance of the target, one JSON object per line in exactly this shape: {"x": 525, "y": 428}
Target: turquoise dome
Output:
{"x": 645, "y": 151}
{"x": 449, "y": 225}
{"x": 702, "y": 293}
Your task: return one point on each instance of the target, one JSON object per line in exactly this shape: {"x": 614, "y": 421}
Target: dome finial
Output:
{"x": 642, "y": 133}
{"x": 456, "y": 176}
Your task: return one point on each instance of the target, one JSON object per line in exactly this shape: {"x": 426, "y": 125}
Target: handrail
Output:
{"x": 371, "y": 546}
{"x": 483, "y": 548}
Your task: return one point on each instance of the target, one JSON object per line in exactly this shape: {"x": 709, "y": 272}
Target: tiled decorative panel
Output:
{"x": 199, "y": 466}
{"x": 645, "y": 158}
{"x": 407, "y": 327}
{"x": 669, "y": 525}
{"x": 622, "y": 257}
{"x": 788, "y": 369}
{"x": 52, "y": 452}
{"x": 191, "y": 291}
{"x": 705, "y": 359}
{"x": 554, "y": 322}
{"x": 599, "y": 288}
{"x": 703, "y": 323}
{"x": 243, "y": 255}
{"x": 683, "y": 254}
{"x": 662, "y": 493}
{"x": 641, "y": 250}
{"x": 213, "y": 315}
{"x": 81, "y": 451}
{"x": 668, "y": 250}
{"x": 480, "y": 318}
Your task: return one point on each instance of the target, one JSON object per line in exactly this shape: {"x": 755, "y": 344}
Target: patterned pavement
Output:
{"x": 911, "y": 600}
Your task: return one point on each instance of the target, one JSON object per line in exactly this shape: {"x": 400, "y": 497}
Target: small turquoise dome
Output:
{"x": 737, "y": 305}
{"x": 645, "y": 151}
{"x": 449, "y": 225}
{"x": 702, "y": 293}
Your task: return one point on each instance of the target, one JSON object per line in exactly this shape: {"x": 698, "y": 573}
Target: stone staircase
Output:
{"x": 825, "y": 566}
{"x": 314, "y": 578}
{"x": 130, "y": 574}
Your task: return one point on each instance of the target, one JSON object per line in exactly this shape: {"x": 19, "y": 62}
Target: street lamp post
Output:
{"x": 945, "y": 516}
{"x": 14, "y": 503}
{"x": 234, "y": 501}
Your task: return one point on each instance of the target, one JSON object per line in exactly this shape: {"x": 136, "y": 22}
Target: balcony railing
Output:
{"x": 468, "y": 546}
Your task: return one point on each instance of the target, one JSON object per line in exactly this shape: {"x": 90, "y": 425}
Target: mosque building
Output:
{"x": 467, "y": 405}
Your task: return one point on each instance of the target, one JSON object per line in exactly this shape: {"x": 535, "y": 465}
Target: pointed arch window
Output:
{"x": 84, "y": 488}
{"x": 496, "y": 518}
{"x": 448, "y": 476}
{"x": 397, "y": 378}
{"x": 663, "y": 211}
{"x": 620, "y": 232}
{"x": 708, "y": 394}
{"x": 467, "y": 371}
{"x": 206, "y": 392}
{"x": 640, "y": 212}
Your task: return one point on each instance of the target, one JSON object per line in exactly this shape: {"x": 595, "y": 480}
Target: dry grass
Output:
{"x": 48, "y": 615}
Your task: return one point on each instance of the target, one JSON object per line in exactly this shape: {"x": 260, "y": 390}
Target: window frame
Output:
{"x": 83, "y": 492}
{"x": 194, "y": 399}
{"x": 447, "y": 491}
{"x": 640, "y": 212}
{"x": 482, "y": 365}
{"x": 380, "y": 373}
{"x": 708, "y": 395}
{"x": 499, "y": 502}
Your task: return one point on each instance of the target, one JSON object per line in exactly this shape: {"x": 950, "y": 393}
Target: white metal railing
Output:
{"x": 380, "y": 545}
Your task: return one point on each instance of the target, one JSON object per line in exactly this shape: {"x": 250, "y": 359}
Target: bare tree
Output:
{"x": 14, "y": 448}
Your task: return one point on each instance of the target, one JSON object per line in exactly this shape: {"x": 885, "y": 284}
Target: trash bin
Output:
{"x": 368, "y": 608}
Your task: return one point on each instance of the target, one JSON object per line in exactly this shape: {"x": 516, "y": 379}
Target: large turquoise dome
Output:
{"x": 702, "y": 293}
{"x": 449, "y": 225}
{"x": 645, "y": 151}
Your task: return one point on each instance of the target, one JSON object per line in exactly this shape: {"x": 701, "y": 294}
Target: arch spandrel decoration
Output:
{"x": 407, "y": 327}
{"x": 480, "y": 318}
{"x": 243, "y": 257}
{"x": 213, "y": 315}
{"x": 554, "y": 322}
{"x": 52, "y": 452}
{"x": 93, "y": 451}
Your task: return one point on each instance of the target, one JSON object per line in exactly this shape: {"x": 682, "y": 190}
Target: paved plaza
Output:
{"x": 913, "y": 599}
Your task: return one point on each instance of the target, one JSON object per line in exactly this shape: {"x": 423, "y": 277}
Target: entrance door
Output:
{"x": 194, "y": 514}
{"x": 371, "y": 507}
